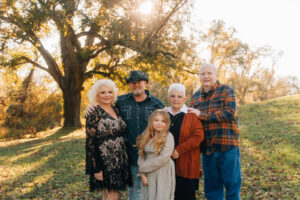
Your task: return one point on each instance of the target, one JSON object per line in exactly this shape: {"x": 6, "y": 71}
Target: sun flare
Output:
{"x": 146, "y": 8}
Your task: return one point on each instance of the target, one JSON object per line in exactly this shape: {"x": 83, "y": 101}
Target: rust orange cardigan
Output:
{"x": 191, "y": 135}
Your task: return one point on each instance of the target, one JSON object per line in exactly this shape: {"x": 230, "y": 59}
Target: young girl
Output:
{"x": 155, "y": 165}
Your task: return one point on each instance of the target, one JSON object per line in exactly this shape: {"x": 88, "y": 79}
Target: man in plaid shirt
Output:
{"x": 215, "y": 105}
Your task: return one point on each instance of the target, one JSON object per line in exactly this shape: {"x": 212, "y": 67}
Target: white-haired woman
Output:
{"x": 188, "y": 133}
{"x": 106, "y": 157}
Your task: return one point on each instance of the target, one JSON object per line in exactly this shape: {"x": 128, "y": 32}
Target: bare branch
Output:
{"x": 28, "y": 60}
{"x": 156, "y": 30}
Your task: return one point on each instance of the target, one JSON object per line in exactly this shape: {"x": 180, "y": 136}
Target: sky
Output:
{"x": 275, "y": 23}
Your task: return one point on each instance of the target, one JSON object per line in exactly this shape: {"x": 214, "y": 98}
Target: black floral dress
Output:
{"x": 106, "y": 150}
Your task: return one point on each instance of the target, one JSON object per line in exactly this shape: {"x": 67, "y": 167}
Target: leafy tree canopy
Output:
{"x": 106, "y": 37}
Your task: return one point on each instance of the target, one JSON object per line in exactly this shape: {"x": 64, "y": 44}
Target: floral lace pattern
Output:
{"x": 106, "y": 150}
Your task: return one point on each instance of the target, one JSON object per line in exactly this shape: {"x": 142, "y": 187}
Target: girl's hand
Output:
{"x": 175, "y": 154}
{"x": 144, "y": 179}
{"x": 99, "y": 176}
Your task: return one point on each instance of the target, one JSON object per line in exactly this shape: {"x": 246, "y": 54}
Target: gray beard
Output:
{"x": 137, "y": 93}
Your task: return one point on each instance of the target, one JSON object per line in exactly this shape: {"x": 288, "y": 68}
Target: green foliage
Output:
{"x": 33, "y": 115}
{"x": 106, "y": 38}
{"x": 29, "y": 108}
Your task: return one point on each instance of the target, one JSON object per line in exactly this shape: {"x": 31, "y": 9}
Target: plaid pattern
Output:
{"x": 219, "y": 118}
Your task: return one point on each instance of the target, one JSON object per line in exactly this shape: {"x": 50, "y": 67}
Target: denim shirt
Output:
{"x": 135, "y": 114}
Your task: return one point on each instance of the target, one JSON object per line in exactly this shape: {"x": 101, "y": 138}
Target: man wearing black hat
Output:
{"x": 135, "y": 108}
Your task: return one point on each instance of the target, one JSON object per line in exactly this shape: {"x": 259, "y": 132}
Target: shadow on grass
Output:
{"x": 55, "y": 170}
{"x": 25, "y": 147}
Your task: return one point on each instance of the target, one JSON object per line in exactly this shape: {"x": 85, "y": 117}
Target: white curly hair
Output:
{"x": 92, "y": 95}
{"x": 178, "y": 87}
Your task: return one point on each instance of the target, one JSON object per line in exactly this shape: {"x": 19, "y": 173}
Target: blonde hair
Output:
{"x": 92, "y": 95}
{"x": 158, "y": 139}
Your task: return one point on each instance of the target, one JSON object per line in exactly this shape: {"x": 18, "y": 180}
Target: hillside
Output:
{"x": 51, "y": 166}
{"x": 270, "y": 147}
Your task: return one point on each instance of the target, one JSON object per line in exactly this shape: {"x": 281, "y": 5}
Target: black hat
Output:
{"x": 136, "y": 76}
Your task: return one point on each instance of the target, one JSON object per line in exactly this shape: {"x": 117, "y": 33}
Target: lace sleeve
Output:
{"x": 93, "y": 160}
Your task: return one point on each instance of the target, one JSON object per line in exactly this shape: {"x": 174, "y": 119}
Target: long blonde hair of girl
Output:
{"x": 158, "y": 139}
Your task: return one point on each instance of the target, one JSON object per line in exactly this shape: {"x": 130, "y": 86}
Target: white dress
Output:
{"x": 160, "y": 171}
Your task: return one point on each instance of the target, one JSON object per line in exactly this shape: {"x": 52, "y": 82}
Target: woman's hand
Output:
{"x": 99, "y": 176}
{"x": 144, "y": 179}
{"x": 175, "y": 154}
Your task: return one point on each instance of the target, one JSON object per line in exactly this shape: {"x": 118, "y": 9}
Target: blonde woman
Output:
{"x": 106, "y": 157}
{"x": 156, "y": 168}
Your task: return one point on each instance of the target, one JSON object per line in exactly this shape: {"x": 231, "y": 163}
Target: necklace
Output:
{"x": 110, "y": 112}
{"x": 174, "y": 118}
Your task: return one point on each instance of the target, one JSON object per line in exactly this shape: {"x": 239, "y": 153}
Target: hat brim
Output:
{"x": 129, "y": 80}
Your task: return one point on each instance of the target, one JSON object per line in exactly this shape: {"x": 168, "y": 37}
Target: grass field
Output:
{"x": 51, "y": 166}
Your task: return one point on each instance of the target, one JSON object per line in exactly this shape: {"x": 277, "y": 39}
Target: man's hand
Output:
{"x": 99, "y": 176}
{"x": 89, "y": 110}
{"x": 165, "y": 109}
{"x": 194, "y": 110}
{"x": 144, "y": 179}
{"x": 175, "y": 154}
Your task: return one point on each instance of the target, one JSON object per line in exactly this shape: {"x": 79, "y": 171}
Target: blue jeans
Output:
{"x": 134, "y": 192}
{"x": 222, "y": 169}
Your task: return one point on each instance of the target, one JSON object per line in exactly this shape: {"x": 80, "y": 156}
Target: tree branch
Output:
{"x": 98, "y": 66}
{"x": 156, "y": 30}
{"x": 28, "y": 60}
{"x": 96, "y": 35}
{"x": 99, "y": 51}
{"x": 166, "y": 54}
{"x": 89, "y": 74}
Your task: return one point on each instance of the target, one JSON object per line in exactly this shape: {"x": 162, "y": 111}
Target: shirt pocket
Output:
{"x": 126, "y": 112}
{"x": 218, "y": 103}
{"x": 148, "y": 111}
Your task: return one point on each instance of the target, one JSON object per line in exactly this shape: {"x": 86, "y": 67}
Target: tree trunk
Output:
{"x": 73, "y": 80}
{"x": 72, "y": 101}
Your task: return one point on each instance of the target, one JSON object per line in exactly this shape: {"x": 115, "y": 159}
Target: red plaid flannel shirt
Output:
{"x": 218, "y": 115}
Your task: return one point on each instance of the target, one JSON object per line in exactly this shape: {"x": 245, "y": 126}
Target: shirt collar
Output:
{"x": 183, "y": 109}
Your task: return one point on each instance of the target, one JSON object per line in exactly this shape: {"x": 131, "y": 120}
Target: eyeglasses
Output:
{"x": 176, "y": 96}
